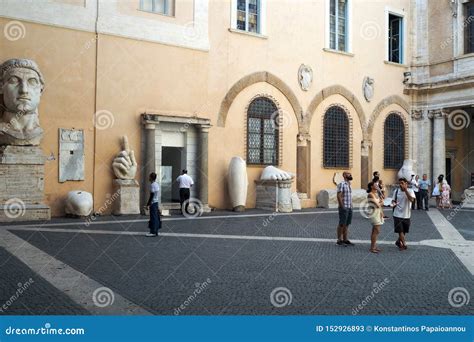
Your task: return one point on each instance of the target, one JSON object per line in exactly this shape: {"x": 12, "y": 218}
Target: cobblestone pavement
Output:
{"x": 200, "y": 275}
{"x": 463, "y": 220}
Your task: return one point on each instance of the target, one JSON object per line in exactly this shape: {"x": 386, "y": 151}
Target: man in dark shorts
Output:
{"x": 402, "y": 202}
{"x": 344, "y": 199}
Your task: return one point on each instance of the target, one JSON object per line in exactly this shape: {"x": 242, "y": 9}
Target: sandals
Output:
{"x": 374, "y": 250}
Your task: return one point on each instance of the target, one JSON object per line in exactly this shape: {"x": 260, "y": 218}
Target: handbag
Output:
{"x": 436, "y": 191}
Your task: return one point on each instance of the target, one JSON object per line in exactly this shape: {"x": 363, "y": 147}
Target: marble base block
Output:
{"x": 22, "y": 184}
{"x": 328, "y": 198}
{"x": 274, "y": 195}
{"x": 128, "y": 198}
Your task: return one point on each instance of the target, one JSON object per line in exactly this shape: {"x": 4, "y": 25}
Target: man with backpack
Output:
{"x": 401, "y": 203}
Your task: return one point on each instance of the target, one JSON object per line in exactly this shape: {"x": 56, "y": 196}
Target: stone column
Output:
{"x": 439, "y": 142}
{"x": 365, "y": 162}
{"x": 303, "y": 165}
{"x": 418, "y": 139}
{"x": 149, "y": 162}
{"x": 203, "y": 164}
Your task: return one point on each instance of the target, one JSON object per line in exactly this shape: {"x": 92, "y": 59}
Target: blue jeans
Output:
{"x": 155, "y": 222}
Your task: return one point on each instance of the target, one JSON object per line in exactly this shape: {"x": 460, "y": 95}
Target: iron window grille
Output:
{"x": 262, "y": 132}
{"x": 469, "y": 28}
{"x": 394, "y": 142}
{"x": 336, "y": 138}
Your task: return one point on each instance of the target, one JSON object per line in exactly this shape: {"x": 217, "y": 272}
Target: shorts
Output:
{"x": 345, "y": 216}
{"x": 402, "y": 225}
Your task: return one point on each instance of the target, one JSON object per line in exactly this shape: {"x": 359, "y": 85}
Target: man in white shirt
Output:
{"x": 416, "y": 188}
{"x": 185, "y": 184}
{"x": 402, "y": 201}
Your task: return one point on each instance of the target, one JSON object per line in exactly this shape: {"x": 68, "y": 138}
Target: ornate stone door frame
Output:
{"x": 152, "y": 135}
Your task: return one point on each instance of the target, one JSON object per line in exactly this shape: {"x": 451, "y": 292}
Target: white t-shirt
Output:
{"x": 414, "y": 185}
{"x": 155, "y": 189}
{"x": 184, "y": 181}
{"x": 403, "y": 208}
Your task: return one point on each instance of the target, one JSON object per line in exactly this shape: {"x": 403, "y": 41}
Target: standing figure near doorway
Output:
{"x": 153, "y": 205}
{"x": 185, "y": 184}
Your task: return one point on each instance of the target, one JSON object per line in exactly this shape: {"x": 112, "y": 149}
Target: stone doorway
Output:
{"x": 170, "y": 144}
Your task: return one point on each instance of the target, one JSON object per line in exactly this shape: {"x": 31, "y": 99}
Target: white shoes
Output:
{"x": 150, "y": 235}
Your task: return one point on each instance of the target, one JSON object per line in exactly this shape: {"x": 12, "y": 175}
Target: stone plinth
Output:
{"x": 22, "y": 184}
{"x": 127, "y": 200}
{"x": 274, "y": 195}
{"x": 468, "y": 201}
{"x": 328, "y": 198}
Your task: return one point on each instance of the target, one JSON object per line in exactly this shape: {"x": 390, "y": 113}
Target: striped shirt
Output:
{"x": 346, "y": 190}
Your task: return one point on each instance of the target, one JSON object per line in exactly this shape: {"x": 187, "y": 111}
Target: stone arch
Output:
{"x": 386, "y": 102}
{"x": 256, "y": 77}
{"x": 335, "y": 90}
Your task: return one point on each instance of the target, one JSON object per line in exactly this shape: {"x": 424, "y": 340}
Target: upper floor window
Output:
{"x": 338, "y": 25}
{"x": 395, "y": 38}
{"x": 262, "y": 132}
{"x": 394, "y": 142}
{"x": 158, "y": 6}
{"x": 248, "y": 15}
{"x": 336, "y": 148}
{"x": 469, "y": 27}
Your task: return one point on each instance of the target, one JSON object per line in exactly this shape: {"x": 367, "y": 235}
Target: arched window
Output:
{"x": 336, "y": 138}
{"x": 262, "y": 132}
{"x": 394, "y": 142}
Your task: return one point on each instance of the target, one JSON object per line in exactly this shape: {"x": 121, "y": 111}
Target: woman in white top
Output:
{"x": 375, "y": 203}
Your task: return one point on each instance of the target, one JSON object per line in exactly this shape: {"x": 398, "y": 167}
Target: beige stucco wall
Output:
{"x": 134, "y": 76}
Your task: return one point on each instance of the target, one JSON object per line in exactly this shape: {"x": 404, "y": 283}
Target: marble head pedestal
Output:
{"x": 21, "y": 159}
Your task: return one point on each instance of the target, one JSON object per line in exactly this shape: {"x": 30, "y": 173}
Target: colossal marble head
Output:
{"x": 21, "y": 84}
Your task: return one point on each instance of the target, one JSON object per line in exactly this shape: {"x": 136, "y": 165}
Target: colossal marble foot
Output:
{"x": 79, "y": 203}
{"x": 275, "y": 174}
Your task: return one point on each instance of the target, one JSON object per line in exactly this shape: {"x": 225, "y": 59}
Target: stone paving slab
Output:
{"x": 161, "y": 274}
{"x": 21, "y": 296}
{"x": 462, "y": 220}
{"x": 321, "y": 224}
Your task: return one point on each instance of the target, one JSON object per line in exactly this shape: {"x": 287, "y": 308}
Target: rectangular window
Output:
{"x": 248, "y": 15}
{"x": 395, "y": 39}
{"x": 469, "y": 28}
{"x": 338, "y": 25}
{"x": 158, "y": 6}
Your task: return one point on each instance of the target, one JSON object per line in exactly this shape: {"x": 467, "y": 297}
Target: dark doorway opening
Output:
{"x": 172, "y": 162}
{"x": 448, "y": 171}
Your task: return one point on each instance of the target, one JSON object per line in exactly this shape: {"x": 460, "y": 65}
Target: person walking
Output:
{"x": 402, "y": 200}
{"x": 153, "y": 206}
{"x": 376, "y": 217}
{"x": 424, "y": 185}
{"x": 344, "y": 199}
{"x": 185, "y": 184}
{"x": 416, "y": 188}
{"x": 437, "y": 191}
{"x": 446, "y": 195}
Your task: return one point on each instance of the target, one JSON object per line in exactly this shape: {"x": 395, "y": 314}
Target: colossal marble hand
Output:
{"x": 21, "y": 85}
{"x": 273, "y": 173}
{"x": 125, "y": 164}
